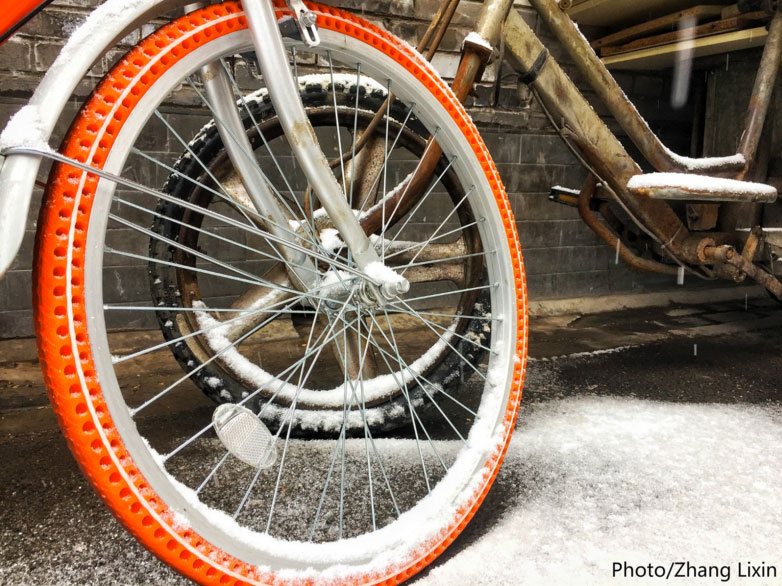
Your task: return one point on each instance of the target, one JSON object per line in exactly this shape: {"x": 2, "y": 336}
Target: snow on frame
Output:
{"x": 25, "y": 129}
{"x": 699, "y": 183}
{"x": 476, "y": 39}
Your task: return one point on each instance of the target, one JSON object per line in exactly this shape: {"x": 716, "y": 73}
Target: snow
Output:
{"x": 695, "y": 165}
{"x": 347, "y": 80}
{"x": 699, "y": 183}
{"x": 330, "y": 240}
{"x": 591, "y": 481}
{"x": 105, "y": 15}
{"x": 587, "y": 354}
{"x": 25, "y": 129}
{"x": 385, "y": 275}
{"x": 477, "y": 39}
{"x": 391, "y": 194}
{"x": 214, "y": 382}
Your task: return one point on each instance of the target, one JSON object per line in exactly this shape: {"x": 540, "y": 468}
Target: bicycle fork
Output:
{"x": 283, "y": 91}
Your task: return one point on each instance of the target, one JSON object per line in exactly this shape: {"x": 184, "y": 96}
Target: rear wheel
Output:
{"x": 214, "y": 492}
{"x": 177, "y": 283}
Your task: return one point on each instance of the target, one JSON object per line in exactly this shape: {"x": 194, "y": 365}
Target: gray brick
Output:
{"x": 587, "y": 284}
{"x": 25, "y": 254}
{"x": 16, "y": 287}
{"x": 57, "y": 23}
{"x": 542, "y": 286}
{"x": 548, "y": 149}
{"x": 16, "y": 324}
{"x": 566, "y": 259}
{"x": 530, "y": 178}
{"x": 45, "y": 53}
{"x": 504, "y": 147}
{"x": 576, "y": 233}
{"x": 16, "y": 56}
{"x": 539, "y": 234}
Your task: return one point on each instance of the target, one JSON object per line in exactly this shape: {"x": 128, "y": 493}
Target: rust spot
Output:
{"x": 301, "y": 133}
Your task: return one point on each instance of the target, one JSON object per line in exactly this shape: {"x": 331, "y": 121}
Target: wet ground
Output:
{"x": 646, "y": 436}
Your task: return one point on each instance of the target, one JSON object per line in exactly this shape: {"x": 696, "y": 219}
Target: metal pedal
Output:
{"x": 565, "y": 196}
{"x": 244, "y": 435}
{"x": 687, "y": 187}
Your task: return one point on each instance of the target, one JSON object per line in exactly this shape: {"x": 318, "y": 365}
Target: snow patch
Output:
{"x": 590, "y": 481}
{"x": 383, "y": 274}
{"x": 477, "y": 39}
{"x": 330, "y": 240}
{"x": 699, "y": 183}
{"x": 706, "y": 163}
{"x": 587, "y": 354}
{"x": 213, "y": 382}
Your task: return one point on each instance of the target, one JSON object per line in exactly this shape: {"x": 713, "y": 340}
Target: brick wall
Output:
{"x": 563, "y": 258}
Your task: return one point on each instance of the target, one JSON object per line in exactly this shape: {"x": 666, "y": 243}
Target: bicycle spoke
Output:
{"x": 423, "y": 199}
{"x": 244, "y": 209}
{"x": 332, "y": 262}
{"x": 421, "y": 380}
{"x": 336, "y": 116}
{"x": 435, "y": 261}
{"x": 355, "y": 132}
{"x": 367, "y": 434}
{"x": 253, "y": 279}
{"x": 405, "y": 185}
{"x": 189, "y": 150}
{"x": 184, "y": 337}
{"x": 403, "y": 364}
{"x": 448, "y": 217}
{"x": 442, "y": 338}
{"x": 212, "y": 472}
{"x": 417, "y": 376}
{"x": 244, "y": 401}
{"x": 385, "y": 167}
{"x": 452, "y": 292}
{"x": 205, "y": 363}
{"x": 293, "y": 408}
{"x": 257, "y": 127}
{"x": 410, "y": 246}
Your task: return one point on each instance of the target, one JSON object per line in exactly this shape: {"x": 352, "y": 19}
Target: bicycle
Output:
{"x": 253, "y": 233}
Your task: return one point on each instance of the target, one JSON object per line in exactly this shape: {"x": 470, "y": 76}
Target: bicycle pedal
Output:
{"x": 565, "y": 196}
{"x": 244, "y": 435}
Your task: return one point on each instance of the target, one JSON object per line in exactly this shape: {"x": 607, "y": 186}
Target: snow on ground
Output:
{"x": 604, "y": 480}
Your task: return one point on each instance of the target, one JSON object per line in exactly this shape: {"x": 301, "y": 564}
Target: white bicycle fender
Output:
{"x": 109, "y": 23}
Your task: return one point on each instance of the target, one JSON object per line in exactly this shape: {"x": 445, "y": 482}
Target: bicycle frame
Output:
{"x": 599, "y": 148}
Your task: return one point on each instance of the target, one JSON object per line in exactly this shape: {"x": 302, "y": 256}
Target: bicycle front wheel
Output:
{"x": 356, "y": 506}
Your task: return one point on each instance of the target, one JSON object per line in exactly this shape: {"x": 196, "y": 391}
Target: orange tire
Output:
{"x": 136, "y": 483}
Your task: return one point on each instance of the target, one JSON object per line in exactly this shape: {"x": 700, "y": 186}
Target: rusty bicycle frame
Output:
{"x": 707, "y": 254}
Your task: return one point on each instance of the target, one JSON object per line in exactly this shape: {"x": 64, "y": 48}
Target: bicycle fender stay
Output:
{"x": 33, "y": 126}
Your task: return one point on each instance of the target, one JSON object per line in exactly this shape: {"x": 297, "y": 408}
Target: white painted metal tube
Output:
{"x": 273, "y": 61}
